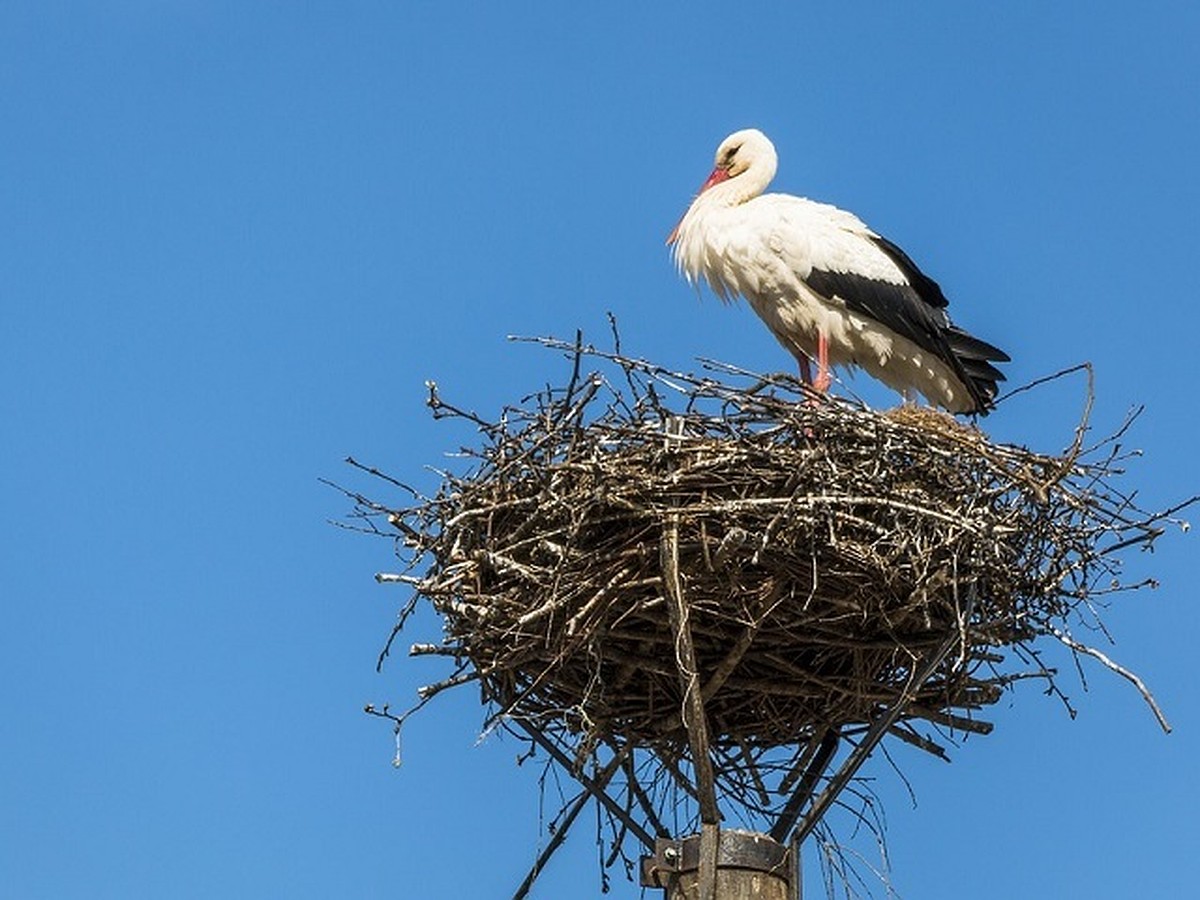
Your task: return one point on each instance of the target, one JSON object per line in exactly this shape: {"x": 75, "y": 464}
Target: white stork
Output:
{"x": 827, "y": 286}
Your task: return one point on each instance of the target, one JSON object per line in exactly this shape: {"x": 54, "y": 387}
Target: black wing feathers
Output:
{"x": 897, "y": 306}
{"x": 917, "y": 311}
{"x": 928, "y": 289}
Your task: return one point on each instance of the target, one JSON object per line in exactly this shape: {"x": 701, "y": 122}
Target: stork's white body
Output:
{"x": 815, "y": 273}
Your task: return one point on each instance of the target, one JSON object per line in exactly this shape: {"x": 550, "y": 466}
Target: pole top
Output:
{"x": 737, "y": 849}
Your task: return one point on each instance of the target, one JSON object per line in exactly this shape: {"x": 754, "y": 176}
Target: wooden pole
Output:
{"x": 694, "y": 718}
{"x": 749, "y": 866}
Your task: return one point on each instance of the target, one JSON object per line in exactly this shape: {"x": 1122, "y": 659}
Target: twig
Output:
{"x": 1120, "y": 670}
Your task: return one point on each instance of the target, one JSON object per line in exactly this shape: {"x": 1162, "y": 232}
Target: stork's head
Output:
{"x": 748, "y": 153}
{"x": 742, "y": 150}
{"x": 747, "y": 156}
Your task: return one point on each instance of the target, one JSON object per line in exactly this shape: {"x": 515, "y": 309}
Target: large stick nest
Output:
{"x": 824, "y": 551}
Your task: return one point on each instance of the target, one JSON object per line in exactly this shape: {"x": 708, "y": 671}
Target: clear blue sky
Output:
{"x": 235, "y": 240}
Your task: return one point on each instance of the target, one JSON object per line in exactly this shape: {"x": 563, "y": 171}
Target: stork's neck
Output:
{"x": 695, "y": 231}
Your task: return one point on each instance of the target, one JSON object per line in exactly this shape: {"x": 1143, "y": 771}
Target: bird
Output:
{"x": 828, "y": 287}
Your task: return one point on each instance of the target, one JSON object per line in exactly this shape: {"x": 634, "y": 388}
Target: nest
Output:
{"x": 640, "y": 552}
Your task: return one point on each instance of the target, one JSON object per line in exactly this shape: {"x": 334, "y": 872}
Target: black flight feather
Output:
{"x": 916, "y": 310}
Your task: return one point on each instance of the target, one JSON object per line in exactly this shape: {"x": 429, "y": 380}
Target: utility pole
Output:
{"x": 747, "y": 866}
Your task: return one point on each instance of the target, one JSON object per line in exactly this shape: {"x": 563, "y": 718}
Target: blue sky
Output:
{"x": 235, "y": 240}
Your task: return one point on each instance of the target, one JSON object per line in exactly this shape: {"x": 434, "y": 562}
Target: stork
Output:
{"x": 827, "y": 286}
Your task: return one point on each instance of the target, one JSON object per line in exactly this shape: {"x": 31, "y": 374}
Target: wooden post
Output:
{"x": 715, "y": 864}
{"x": 749, "y": 866}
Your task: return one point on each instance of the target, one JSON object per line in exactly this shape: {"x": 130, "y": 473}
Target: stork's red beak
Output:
{"x": 716, "y": 177}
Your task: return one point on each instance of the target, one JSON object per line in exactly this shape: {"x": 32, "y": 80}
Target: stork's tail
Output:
{"x": 974, "y": 358}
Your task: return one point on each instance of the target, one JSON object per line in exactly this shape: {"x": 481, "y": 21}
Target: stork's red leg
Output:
{"x": 824, "y": 375}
